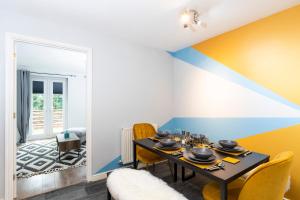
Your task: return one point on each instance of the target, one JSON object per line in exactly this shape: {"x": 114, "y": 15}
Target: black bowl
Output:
{"x": 162, "y": 134}
{"x": 203, "y": 153}
{"x": 167, "y": 142}
{"x": 228, "y": 144}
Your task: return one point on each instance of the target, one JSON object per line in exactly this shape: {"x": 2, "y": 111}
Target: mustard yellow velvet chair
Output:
{"x": 267, "y": 182}
{"x": 141, "y": 131}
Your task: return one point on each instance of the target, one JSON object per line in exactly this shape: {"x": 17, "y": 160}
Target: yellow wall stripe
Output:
{"x": 272, "y": 143}
{"x": 266, "y": 51}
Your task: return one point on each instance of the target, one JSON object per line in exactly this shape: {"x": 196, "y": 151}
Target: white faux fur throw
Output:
{"x": 130, "y": 184}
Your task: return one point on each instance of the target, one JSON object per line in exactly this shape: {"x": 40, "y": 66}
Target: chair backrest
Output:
{"x": 143, "y": 130}
{"x": 269, "y": 180}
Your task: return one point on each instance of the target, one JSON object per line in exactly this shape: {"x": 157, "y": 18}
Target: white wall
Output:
{"x": 130, "y": 82}
{"x": 199, "y": 93}
{"x": 76, "y": 101}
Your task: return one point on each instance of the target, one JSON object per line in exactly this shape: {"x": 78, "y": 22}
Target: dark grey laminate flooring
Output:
{"x": 39, "y": 184}
{"x": 97, "y": 190}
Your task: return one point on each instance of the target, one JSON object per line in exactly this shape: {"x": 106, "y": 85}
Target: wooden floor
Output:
{"x": 97, "y": 190}
{"x": 28, "y": 187}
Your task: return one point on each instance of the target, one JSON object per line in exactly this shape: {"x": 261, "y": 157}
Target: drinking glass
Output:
{"x": 177, "y": 134}
{"x": 196, "y": 139}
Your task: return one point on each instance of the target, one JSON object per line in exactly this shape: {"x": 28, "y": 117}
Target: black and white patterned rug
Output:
{"x": 41, "y": 157}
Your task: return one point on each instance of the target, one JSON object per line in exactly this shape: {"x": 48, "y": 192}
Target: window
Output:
{"x": 48, "y": 111}
{"x": 38, "y": 108}
{"x": 57, "y": 107}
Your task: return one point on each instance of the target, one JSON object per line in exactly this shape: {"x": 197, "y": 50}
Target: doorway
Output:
{"x": 49, "y": 114}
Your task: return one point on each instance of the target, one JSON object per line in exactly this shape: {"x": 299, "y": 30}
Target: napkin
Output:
{"x": 231, "y": 160}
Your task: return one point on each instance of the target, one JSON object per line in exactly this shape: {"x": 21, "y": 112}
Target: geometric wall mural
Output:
{"x": 211, "y": 99}
{"x": 199, "y": 60}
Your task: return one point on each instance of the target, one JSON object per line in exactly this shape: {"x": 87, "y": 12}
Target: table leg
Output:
{"x": 175, "y": 172}
{"x": 183, "y": 177}
{"x": 182, "y": 174}
{"x": 134, "y": 156}
{"x": 223, "y": 191}
{"x": 59, "y": 154}
{"x": 108, "y": 195}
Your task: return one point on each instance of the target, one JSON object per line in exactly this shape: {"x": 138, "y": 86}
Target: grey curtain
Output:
{"x": 23, "y": 103}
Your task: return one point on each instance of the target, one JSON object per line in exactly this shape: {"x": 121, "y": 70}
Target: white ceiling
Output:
{"x": 44, "y": 59}
{"x": 151, "y": 22}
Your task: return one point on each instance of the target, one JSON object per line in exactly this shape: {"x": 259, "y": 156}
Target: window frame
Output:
{"x": 48, "y": 103}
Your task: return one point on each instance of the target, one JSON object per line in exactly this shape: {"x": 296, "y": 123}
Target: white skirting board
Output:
{"x": 98, "y": 177}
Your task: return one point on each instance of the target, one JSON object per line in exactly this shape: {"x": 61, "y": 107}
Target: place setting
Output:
{"x": 160, "y": 135}
{"x": 231, "y": 147}
{"x": 200, "y": 155}
{"x": 203, "y": 158}
{"x": 169, "y": 146}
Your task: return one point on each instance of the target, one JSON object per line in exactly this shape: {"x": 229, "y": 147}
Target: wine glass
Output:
{"x": 177, "y": 135}
{"x": 196, "y": 139}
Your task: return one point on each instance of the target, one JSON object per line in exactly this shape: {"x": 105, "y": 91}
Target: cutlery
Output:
{"x": 221, "y": 165}
{"x": 246, "y": 153}
{"x": 217, "y": 166}
{"x": 178, "y": 153}
{"x": 213, "y": 168}
{"x": 153, "y": 139}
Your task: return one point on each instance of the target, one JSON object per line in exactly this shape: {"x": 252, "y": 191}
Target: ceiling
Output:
{"x": 44, "y": 59}
{"x": 152, "y": 23}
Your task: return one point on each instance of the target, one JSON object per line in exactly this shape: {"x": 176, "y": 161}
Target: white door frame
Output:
{"x": 10, "y": 104}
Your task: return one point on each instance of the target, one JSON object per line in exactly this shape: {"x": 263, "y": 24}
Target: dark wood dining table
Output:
{"x": 223, "y": 176}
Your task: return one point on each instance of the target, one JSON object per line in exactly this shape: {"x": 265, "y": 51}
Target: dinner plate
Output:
{"x": 228, "y": 144}
{"x": 167, "y": 142}
{"x": 236, "y": 149}
{"x": 190, "y": 157}
{"x": 166, "y": 148}
{"x": 193, "y": 157}
{"x": 159, "y": 137}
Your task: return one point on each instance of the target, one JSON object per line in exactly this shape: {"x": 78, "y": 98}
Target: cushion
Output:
{"x": 147, "y": 157}
{"x": 79, "y": 131}
{"x": 131, "y": 184}
{"x": 212, "y": 190}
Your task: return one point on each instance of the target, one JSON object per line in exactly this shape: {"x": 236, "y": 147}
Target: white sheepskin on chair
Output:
{"x": 130, "y": 184}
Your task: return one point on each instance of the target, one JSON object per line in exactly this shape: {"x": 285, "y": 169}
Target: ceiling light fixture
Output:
{"x": 191, "y": 18}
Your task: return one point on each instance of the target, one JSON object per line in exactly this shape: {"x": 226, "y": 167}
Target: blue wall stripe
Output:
{"x": 228, "y": 128}
{"x": 202, "y": 61}
{"x": 114, "y": 164}
{"x": 218, "y": 128}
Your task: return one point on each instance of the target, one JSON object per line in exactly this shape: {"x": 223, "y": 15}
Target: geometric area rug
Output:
{"x": 41, "y": 157}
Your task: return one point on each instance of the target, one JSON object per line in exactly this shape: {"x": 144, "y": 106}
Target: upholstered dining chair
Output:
{"x": 141, "y": 131}
{"x": 267, "y": 181}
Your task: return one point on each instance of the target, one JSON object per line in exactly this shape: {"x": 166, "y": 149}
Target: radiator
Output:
{"x": 126, "y": 145}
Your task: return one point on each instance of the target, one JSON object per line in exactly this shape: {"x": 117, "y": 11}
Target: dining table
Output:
{"x": 223, "y": 176}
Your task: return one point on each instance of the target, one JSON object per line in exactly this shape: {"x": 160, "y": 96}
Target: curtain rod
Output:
{"x": 53, "y": 74}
